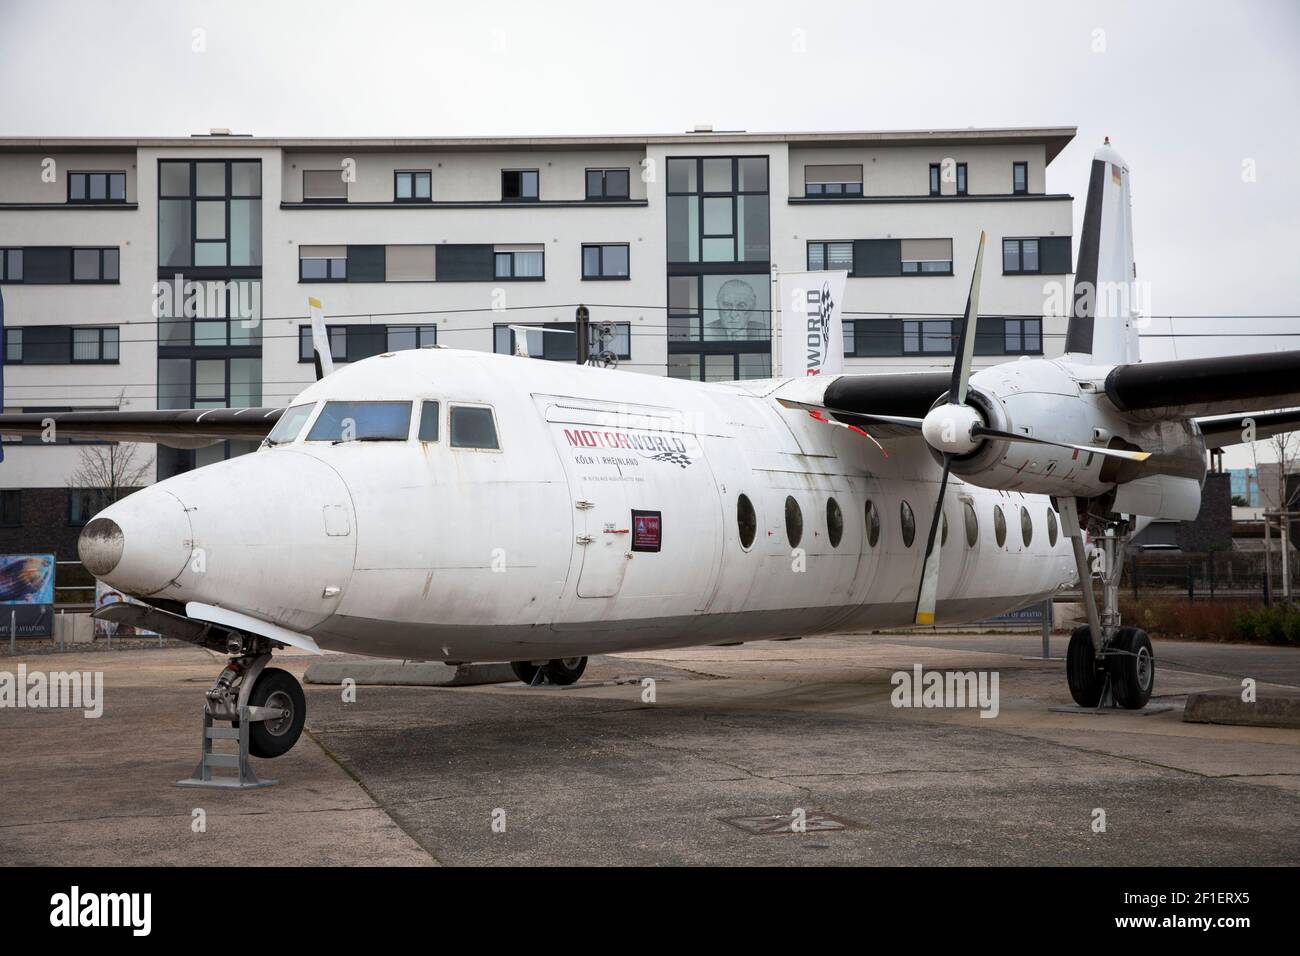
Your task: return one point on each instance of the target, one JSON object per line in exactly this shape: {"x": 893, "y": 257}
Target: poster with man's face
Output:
{"x": 737, "y": 307}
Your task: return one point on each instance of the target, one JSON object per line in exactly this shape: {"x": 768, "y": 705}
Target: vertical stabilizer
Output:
{"x": 1103, "y": 322}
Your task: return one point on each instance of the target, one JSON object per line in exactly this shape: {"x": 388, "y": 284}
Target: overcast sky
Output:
{"x": 1200, "y": 97}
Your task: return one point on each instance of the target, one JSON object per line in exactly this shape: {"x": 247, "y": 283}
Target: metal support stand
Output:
{"x": 246, "y": 778}
{"x": 228, "y": 701}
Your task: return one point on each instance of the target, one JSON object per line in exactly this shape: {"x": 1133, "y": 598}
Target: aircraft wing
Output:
{"x": 1232, "y": 429}
{"x": 1220, "y": 385}
{"x": 178, "y": 428}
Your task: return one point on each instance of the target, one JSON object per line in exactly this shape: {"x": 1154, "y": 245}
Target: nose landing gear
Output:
{"x": 266, "y": 709}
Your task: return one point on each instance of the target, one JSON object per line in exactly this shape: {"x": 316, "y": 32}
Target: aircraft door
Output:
{"x": 603, "y": 535}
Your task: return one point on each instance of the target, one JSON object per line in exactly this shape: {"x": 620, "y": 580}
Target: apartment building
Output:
{"x": 174, "y": 272}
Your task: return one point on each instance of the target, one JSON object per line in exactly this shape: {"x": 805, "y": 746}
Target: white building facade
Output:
{"x": 175, "y": 272}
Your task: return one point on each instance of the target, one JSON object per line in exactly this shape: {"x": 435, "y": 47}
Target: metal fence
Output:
{"x": 1209, "y": 575}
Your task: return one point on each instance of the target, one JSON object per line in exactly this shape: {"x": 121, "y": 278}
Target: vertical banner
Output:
{"x": 812, "y": 334}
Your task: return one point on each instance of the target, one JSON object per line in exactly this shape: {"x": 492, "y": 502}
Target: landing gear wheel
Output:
{"x": 1086, "y": 679}
{"x": 564, "y": 670}
{"x": 1132, "y": 666}
{"x": 276, "y": 688}
{"x": 526, "y": 671}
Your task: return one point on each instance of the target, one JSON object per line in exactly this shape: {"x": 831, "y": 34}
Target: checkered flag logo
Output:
{"x": 673, "y": 457}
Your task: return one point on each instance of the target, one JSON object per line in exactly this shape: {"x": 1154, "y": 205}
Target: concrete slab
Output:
{"x": 611, "y": 770}
{"x": 1275, "y": 708}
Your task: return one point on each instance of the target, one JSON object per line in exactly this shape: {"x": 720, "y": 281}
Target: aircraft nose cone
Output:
{"x": 100, "y": 546}
{"x": 140, "y": 544}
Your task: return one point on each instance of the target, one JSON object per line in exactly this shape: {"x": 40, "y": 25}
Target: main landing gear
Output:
{"x": 1106, "y": 665}
{"x": 265, "y": 707}
{"x": 562, "y": 671}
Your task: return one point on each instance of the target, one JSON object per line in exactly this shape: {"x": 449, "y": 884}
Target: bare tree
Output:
{"x": 1285, "y": 447}
{"x": 110, "y": 469}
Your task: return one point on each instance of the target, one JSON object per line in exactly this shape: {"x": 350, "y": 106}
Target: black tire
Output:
{"x": 1132, "y": 667}
{"x": 525, "y": 670}
{"x": 1085, "y": 678}
{"x": 273, "y": 738}
{"x": 564, "y": 670}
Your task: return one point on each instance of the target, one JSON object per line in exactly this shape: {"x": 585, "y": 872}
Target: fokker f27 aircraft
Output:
{"x": 450, "y": 505}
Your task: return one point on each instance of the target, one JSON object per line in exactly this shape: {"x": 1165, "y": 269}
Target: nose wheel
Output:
{"x": 561, "y": 671}
{"x": 265, "y": 707}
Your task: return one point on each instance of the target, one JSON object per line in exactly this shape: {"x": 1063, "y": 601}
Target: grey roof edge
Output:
{"x": 1054, "y": 138}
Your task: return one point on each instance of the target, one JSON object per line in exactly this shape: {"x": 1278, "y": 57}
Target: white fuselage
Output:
{"x": 418, "y": 549}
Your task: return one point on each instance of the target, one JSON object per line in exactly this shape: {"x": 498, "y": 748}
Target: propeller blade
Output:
{"x": 982, "y": 431}
{"x": 928, "y": 596}
{"x": 320, "y": 340}
{"x": 966, "y": 342}
{"x": 897, "y": 420}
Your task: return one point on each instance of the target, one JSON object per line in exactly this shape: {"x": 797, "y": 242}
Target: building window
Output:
{"x": 605, "y": 261}
{"x": 928, "y": 337}
{"x": 830, "y": 256}
{"x": 717, "y": 209}
{"x": 719, "y": 308}
{"x": 210, "y": 213}
{"x": 520, "y": 263}
{"x": 11, "y": 508}
{"x": 961, "y": 179}
{"x": 721, "y": 365}
{"x": 11, "y": 265}
{"x": 324, "y": 185}
{"x": 841, "y": 180}
{"x": 352, "y": 343}
{"x": 935, "y": 179}
{"x": 94, "y": 265}
{"x": 607, "y": 183}
{"x": 60, "y": 345}
{"x": 1049, "y": 255}
{"x": 209, "y": 382}
{"x": 414, "y": 185}
{"x": 929, "y": 256}
{"x": 518, "y": 185}
{"x": 321, "y": 268}
{"x": 867, "y": 338}
{"x": 84, "y": 504}
{"x": 96, "y": 187}
{"x": 1019, "y": 178}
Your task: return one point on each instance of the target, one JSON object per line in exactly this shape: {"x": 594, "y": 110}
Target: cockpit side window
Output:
{"x": 473, "y": 427}
{"x": 428, "y": 421}
{"x": 290, "y": 424}
{"x": 362, "y": 421}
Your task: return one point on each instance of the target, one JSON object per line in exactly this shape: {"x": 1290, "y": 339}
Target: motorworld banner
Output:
{"x": 812, "y": 335}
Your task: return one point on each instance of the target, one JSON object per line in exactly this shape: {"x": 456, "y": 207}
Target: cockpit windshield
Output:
{"x": 290, "y": 424}
{"x": 362, "y": 421}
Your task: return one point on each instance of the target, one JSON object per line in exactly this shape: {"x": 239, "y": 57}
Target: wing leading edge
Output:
{"x": 177, "y": 428}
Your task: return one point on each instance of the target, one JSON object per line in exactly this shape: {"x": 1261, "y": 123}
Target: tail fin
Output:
{"x": 320, "y": 340}
{"x": 1103, "y": 328}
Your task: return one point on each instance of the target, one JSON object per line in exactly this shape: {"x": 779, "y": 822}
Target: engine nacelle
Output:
{"x": 1039, "y": 398}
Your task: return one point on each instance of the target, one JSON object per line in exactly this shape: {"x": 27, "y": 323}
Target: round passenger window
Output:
{"x": 972, "y": 524}
{"x": 1051, "y": 527}
{"x": 834, "y": 522}
{"x": 873, "y": 524}
{"x": 999, "y": 525}
{"x": 1026, "y": 526}
{"x": 793, "y": 522}
{"x": 746, "y": 521}
{"x": 909, "y": 523}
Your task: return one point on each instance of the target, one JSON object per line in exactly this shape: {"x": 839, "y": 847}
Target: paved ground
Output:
{"x": 593, "y": 774}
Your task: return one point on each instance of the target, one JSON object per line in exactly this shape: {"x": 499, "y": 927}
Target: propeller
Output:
{"x": 927, "y": 596}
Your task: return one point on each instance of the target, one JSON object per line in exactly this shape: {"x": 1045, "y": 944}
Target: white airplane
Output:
{"x": 447, "y": 505}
